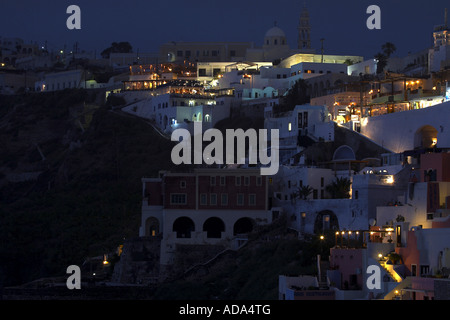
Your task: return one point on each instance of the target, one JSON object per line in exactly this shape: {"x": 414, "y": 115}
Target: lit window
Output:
{"x": 290, "y": 126}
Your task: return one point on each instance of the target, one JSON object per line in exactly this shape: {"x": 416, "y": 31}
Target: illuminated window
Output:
{"x": 326, "y": 222}
{"x": 290, "y": 126}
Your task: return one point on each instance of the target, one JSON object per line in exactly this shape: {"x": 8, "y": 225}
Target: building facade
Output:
{"x": 206, "y": 206}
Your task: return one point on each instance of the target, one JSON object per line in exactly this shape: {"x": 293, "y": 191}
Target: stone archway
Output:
{"x": 325, "y": 220}
{"x": 425, "y": 137}
{"x": 214, "y": 227}
{"x": 183, "y": 226}
{"x": 152, "y": 227}
{"x": 243, "y": 225}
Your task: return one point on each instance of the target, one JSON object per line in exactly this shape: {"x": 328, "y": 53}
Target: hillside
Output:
{"x": 70, "y": 184}
{"x": 70, "y": 188}
{"x": 252, "y": 272}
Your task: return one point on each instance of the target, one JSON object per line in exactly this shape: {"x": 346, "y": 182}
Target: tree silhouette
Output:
{"x": 388, "y": 49}
{"x": 304, "y": 191}
{"x": 381, "y": 62}
{"x": 382, "y": 57}
{"x": 339, "y": 189}
{"x": 117, "y": 47}
{"x": 297, "y": 95}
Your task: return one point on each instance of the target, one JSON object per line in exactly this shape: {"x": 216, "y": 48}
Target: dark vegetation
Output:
{"x": 87, "y": 197}
{"x": 253, "y": 271}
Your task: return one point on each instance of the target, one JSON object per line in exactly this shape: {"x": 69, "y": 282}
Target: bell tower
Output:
{"x": 304, "y": 30}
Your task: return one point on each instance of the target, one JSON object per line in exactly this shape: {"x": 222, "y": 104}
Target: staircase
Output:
{"x": 389, "y": 268}
{"x": 396, "y": 292}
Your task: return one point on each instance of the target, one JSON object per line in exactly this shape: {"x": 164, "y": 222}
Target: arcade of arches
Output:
{"x": 213, "y": 226}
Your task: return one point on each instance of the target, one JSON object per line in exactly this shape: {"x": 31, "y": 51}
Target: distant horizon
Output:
{"x": 147, "y": 26}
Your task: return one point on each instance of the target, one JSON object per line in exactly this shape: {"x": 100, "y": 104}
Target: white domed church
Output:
{"x": 275, "y": 45}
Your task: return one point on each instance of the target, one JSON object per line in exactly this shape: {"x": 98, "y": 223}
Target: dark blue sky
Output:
{"x": 148, "y": 24}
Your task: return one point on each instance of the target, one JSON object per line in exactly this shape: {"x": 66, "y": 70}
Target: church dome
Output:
{"x": 275, "y": 32}
{"x": 344, "y": 153}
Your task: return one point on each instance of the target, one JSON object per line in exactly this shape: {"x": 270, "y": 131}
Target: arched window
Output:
{"x": 425, "y": 137}
{"x": 214, "y": 227}
{"x": 183, "y": 226}
{"x": 242, "y": 226}
{"x": 152, "y": 227}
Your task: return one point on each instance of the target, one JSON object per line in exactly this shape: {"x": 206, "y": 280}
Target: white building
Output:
{"x": 312, "y": 122}
{"x": 370, "y": 188}
{"x": 368, "y": 67}
{"x": 174, "y": 111}
{"x": 78, "y": 78}
{"x": 440, "y": 53}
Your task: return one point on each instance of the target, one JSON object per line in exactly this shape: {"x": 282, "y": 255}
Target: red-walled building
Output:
{"x": 205, "y": 206}
{"x": 435, "y": 167}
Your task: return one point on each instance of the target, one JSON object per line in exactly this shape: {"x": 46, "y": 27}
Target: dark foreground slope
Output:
{"x": 70, "y": 181}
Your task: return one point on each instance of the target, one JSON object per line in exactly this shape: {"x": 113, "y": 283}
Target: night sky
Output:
{"x": 148, "y": 24}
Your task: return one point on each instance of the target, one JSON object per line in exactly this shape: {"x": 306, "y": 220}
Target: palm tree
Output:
{"x": 382, "y": 57}
{"x": 304, "y": 191}
{"x": 381, "y": 62}
{"x": 339, "y": 189}
{"x": 388, "y": 48}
